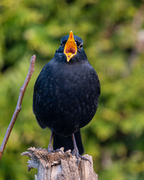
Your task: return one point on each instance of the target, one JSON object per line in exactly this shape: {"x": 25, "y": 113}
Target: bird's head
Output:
{"x": 71, "y": 45}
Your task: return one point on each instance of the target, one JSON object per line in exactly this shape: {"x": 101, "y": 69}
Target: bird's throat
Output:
{"x": 70, "y": 48}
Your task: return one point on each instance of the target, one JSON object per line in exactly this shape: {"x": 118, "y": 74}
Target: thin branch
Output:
{"x": 18, "y": 107}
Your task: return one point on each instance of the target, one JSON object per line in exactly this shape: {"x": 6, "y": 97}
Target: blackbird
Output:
{"x": 66, "y": 95}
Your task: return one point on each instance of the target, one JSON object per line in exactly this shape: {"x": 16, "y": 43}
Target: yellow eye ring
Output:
{"x": 81, "y": 46}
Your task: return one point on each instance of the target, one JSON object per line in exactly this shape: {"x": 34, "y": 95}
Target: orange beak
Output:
{"x": 70, "y": 48}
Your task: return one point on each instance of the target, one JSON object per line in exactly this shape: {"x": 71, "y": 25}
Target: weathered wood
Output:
{"x": 59, "y": 165}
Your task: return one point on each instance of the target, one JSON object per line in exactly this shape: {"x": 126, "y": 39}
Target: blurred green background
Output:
{"x": 113, "y": 35}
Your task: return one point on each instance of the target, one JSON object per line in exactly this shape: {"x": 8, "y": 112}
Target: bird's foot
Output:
{"x": 86, "y": 159}
{"x": 58, "y": 150}
{"x": 76, "y": 153}
{"x": 50, "y": 148}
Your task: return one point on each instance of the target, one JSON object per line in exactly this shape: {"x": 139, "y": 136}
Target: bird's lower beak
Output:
{"x": 70, "y": 48}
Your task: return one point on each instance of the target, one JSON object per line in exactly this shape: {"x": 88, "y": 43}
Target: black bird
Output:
{"x": 66, "y": 95}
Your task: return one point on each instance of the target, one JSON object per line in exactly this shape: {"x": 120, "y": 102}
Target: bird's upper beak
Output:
{"x": 70, "y": 48}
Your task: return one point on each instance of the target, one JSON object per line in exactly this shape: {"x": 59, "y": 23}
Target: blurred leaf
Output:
{"x": 110, "y": 31}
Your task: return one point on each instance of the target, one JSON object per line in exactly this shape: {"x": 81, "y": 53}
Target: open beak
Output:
{"x": 70, "y": 48}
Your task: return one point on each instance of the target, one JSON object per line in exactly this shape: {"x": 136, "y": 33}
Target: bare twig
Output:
{"x": 18, "y": 107}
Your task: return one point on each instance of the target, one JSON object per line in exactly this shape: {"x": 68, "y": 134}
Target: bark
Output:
{"x": 59, "y": 165}
{"x": 18, "y": 106}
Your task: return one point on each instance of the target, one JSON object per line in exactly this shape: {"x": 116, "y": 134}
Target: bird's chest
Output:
{"x": 72, "y": 92}
{"x": 71, "y": 85}
{"x": 68, "y": 97}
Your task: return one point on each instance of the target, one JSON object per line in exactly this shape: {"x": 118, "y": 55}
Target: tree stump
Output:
{"x": 59, "y": 165}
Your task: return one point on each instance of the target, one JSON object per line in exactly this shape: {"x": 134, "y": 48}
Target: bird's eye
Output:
{"x": 81, "y": 46}
{"x": 62, "y": 45}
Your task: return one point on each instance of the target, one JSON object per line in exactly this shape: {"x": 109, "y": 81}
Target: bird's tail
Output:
{"x": 67, "y": 142}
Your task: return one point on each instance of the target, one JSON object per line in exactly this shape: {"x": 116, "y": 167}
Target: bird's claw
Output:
{"x": 83, "y": 158}
{"x": 58, "y": 150}
{"x": 51, "y": 150}
{"x": 76, "y": 153}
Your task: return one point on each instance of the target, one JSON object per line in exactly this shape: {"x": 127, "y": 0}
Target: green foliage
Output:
{"x": 109, "y": 29}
